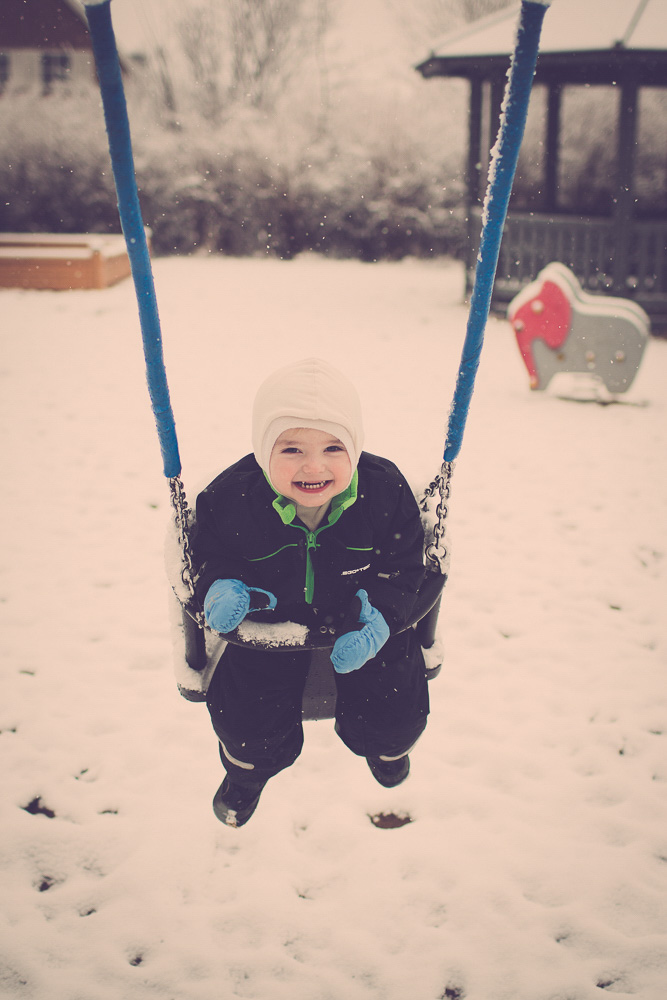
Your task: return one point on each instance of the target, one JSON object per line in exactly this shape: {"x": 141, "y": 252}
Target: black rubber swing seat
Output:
{"x": 284, "y": 635}
{"x": 204, "y": 647}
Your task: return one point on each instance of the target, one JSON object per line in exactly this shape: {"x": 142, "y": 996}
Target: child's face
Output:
{"x": 309, "y": 466}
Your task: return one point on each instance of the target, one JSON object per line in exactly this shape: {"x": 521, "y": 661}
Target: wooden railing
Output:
{"x": 588, "y": 246}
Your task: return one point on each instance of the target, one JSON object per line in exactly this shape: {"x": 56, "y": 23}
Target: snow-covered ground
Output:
{"x": 535, "y": 867}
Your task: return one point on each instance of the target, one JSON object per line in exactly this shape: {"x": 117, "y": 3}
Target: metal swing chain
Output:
{"x": 436, "y": 551}
{"x": 182, "y": 519}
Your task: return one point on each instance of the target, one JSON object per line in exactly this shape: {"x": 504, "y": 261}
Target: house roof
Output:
{"x": 582, "y": 41}
{"x": 43, "y": 24}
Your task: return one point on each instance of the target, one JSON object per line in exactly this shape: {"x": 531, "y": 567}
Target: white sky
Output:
{"x": 139, "y": 23}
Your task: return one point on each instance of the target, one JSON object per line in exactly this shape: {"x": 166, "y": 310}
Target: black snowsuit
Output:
{"x": 372, "y": 538}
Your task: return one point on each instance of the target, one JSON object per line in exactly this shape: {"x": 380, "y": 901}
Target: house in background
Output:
{"x": 44, "y": 47}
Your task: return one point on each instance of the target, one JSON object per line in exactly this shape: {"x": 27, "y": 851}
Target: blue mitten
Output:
{"x": 227, "y": 602}
{"x": 353, "y": 649}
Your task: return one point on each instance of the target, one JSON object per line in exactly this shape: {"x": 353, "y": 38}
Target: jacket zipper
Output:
{"x": 311, "y": 544}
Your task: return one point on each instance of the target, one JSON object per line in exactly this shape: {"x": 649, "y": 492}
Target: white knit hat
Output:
{"x": 310, "y": 393}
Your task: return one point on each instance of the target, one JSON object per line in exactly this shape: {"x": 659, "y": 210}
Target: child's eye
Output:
{"x": 290, "y": 451}
{"x": 335, "y": 447}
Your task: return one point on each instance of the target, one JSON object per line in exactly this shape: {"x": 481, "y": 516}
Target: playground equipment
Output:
{"x": 561, "y": 328}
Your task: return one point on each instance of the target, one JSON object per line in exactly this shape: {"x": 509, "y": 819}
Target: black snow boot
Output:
{"x": 235, "y": 804}
{"x": 389, "y": 772}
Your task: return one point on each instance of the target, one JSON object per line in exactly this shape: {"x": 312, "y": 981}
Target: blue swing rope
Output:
{"x": 122, "y": 161}
{"x": 501, "y": 178}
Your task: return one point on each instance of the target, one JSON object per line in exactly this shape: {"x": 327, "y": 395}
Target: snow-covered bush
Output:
{"x": 239, "y": 189}
{"x": 251, "y": 185}
{"x": 243, "y": 201}
{"x": 55, "y": 174}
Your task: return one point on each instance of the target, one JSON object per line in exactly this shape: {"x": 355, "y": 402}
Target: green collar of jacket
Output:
{"x": 286, "y": 508}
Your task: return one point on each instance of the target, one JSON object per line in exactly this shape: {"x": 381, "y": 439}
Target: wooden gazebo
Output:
{"x": 602, "y": 43}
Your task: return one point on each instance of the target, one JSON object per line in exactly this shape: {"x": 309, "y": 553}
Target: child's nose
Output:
{"x": 313, "y": 463}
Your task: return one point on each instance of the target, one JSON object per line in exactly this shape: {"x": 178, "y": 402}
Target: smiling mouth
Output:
{"x": 314, "y": 487}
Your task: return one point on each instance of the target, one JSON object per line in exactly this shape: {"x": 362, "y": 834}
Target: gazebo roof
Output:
{"x": 583, "y": 41}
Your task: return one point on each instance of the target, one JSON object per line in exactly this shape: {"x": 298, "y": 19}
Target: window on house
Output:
{"x": 4, "y": 70}
{"x": 55, "y": 67}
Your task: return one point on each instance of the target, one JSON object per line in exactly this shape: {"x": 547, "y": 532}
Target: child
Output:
{"x": 311, "y": 530}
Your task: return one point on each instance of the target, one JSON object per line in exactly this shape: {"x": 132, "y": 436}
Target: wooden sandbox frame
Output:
{"x": 60, "y": 262}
